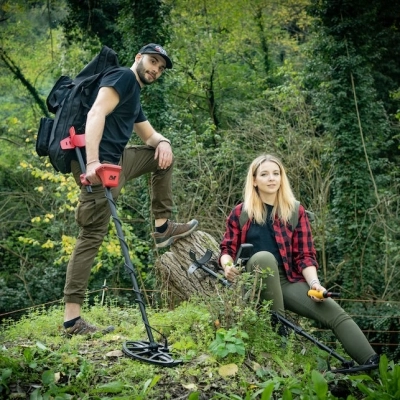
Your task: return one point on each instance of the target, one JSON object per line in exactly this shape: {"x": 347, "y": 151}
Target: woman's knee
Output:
{"x": 263, "y": 260}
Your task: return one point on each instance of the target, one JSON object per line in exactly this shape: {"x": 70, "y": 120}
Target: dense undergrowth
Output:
{"x": 228, "y": 351}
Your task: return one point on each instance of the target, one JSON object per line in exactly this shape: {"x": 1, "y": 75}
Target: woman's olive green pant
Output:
{"x": 293, "y": 296}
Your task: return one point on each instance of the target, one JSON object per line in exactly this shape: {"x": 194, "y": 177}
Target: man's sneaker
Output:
{"x": 81, "y": 327}
{"x": 174, "y": 232}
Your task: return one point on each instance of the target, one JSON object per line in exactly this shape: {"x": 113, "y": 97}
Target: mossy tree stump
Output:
{"x": 173, "y": 267}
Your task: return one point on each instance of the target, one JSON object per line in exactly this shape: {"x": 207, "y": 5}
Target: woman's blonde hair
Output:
{"x": 284, "y": 201}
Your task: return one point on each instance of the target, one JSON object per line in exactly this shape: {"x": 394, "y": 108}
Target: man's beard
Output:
{"x": 140, "y": 70}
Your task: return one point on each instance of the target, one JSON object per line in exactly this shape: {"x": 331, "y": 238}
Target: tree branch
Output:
{"x": 16, "y": 71}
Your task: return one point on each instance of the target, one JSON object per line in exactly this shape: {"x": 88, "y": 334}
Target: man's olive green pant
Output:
{"x": 93, "y": 213}
{"x": 293, "y": 296}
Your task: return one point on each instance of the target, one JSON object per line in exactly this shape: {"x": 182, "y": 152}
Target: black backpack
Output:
{"x": 70, "y": 100}
{"x": 294, "y": 218}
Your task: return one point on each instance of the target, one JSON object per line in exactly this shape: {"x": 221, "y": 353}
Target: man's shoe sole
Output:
{"x": 172, "y": 239}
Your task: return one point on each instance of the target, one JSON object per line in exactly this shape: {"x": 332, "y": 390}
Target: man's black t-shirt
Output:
{"x": 119, "y": 124}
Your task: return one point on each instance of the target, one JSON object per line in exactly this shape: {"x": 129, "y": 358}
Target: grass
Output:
{"x": 38, "y": 362}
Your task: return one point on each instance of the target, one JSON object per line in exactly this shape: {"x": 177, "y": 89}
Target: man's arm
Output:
{"x": 106, "y": 101}
{"x": 154, "y": 139}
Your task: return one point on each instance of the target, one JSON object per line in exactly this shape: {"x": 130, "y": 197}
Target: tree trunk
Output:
{"x": 173, "y": 266}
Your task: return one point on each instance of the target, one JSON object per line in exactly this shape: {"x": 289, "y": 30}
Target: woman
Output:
{"x": 286, "y": 251}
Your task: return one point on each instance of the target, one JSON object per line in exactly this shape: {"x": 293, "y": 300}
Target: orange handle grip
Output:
{"x": 322, "y": 294}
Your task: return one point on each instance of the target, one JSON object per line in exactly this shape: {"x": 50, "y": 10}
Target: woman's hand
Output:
{"x": 317, "y": 286}
{"x": 231, "y": 272}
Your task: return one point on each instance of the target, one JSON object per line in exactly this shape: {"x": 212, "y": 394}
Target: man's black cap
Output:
{"x": 153, "y": 48}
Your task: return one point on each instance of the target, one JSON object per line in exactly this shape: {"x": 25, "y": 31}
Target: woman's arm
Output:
{"x": 310, "y": 275}
{"x": 303, "y": 250}
{"x": 304, "y": 254}
{"x": 230, "y": 244}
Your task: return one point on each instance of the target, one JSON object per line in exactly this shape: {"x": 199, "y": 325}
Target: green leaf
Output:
{"x": 364, "y": 388}
{"x": 110, "y": 387}
{"x": 320, "y": 384}
{"x": 5, "y": 374}
{"x": 194, "y": 396}
{"x": 150, "y": 383}
{"x": 48, "y": 377}
{"x": 267, "y": 392}
{"x": 41, "y": 346}
{"x": 383, "y": 369}
{"x": 35, "y": 395}
{"x": 287, "y": 395}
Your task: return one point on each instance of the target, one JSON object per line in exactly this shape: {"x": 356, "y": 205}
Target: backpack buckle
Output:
{"x": 73, "y": 140}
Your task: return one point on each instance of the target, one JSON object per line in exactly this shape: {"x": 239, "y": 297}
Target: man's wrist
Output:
{"x": 164, "y": 140}
{"x": 92, "y": 162}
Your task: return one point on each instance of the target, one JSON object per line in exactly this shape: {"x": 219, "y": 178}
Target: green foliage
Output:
{"x": 87, "y": 19}
{"x": 387, "y": 387}
{"x": 228, "y": 342}
{"x": 34, "y": 353}
{"x": 248, "y": 77}
{"x": 347, "y": 96}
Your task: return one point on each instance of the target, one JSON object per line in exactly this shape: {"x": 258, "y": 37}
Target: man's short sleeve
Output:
{"x": 123, "y": 80}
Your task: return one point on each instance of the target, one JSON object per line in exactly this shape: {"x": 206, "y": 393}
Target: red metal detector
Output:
{"x": 147, "y": 351}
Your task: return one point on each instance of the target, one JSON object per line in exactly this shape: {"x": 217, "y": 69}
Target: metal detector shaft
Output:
{"x": 225, "y": 282}
{"x": 128, "y": 262}
{"x": 301, "y": 332}
{"x": 201, "y": 264}
{"x": 82, "y": 165}
{"x": 124, "y": 246}
{"x": 147, "y": 351}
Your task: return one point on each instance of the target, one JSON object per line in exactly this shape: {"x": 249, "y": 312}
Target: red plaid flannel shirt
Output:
{"x": 296, "y": 248}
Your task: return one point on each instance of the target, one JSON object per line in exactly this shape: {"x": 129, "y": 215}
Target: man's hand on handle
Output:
{"x": 91, "y": 175}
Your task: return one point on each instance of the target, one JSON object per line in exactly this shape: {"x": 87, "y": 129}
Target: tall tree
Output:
{"x": 349, "y": 101}
{"x": 92, "y": 19}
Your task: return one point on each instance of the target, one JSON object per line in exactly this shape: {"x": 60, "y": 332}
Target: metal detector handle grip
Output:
{"x": 244, "y": 254}
{"x": 84, "y": 181}
{"x": 319, "y": 294}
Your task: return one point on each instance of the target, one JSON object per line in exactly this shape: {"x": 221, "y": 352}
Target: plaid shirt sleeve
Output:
{"x": 296, "y": 247}
{"x": 232, "y": 236}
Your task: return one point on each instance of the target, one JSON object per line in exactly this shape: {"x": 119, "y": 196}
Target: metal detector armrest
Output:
{"x": 244, "y": 254}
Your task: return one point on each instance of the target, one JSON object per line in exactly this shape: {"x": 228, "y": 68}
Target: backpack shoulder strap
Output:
{"x": 243, "y": 217}
{"x": 310, "y": 215}
{"x": 294, "y": 218}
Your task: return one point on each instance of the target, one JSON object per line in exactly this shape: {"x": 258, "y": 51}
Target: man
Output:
{"x": 115, "y": 113}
